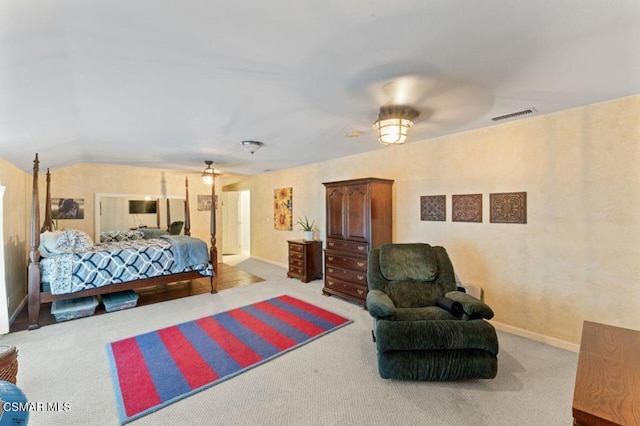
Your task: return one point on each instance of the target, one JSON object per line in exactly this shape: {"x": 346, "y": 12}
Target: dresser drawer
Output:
{"x": 296, "y": 263}
{"x": 296, "y": 256}
{"x": 295, "y": 269}
{"x": 296, "y": 248}
{"x": 346, "y": 262}
{"x": 351, "y": 289}
{"x": 356, "y": 277}
{"x": 348, "y": 246}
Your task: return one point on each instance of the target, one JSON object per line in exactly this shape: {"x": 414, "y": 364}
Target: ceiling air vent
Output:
{"x": 513, "y": 115}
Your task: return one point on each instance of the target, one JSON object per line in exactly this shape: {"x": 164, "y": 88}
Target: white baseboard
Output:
{"x": 282, "y": 265}
{"x": 18, "y": 310}
{"x": 552, "y": 341}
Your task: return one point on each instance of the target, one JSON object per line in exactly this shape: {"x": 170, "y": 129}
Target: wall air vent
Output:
{"x": 514, "y": 114}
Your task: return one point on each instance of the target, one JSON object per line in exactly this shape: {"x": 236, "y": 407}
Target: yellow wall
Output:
{"x": 576, "y": 258}
{"x": 16, "y": 240}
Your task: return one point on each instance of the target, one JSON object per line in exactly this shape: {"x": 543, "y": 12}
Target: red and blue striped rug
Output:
{"x": 158, "y": 368}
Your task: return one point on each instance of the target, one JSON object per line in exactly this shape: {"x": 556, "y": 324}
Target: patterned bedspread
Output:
{"x": 123, "y": 261}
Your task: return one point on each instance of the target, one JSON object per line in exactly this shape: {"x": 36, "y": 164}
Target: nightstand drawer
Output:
{"x": 296, "y": 256}
{"x": 297, "y": 248}
{"x": 295, "y": 269}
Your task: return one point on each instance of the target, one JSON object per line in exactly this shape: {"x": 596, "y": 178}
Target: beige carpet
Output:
{"x": 331, "y": 381}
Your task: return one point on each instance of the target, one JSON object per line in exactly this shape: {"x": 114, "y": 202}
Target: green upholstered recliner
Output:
{"x": 416, "y": 338}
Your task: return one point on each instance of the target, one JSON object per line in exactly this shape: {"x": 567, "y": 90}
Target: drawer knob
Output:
{"x": 361, "y": 248}
{"x": 330, "y": 282}
{"x": 331, "y": 244}
{"x": 360, "y": 292}
{"x": 330, "y": 258}
{"x": 330, "y": 269}
{"x": 360, "y": 277}
{"x": 361, "y": 264}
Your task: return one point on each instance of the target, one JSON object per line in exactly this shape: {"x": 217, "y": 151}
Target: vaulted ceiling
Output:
{"x": 170, "y": 84}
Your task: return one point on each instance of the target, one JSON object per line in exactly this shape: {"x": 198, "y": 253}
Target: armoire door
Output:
{"x": 335, "y": 212}
{"x": 357, "y": 213}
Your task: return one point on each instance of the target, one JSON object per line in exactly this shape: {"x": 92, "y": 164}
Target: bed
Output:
{"x": 68, "y": 264}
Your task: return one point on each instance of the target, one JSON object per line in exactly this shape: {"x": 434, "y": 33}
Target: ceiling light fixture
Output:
{"x": 251, "y": 146}
{"x": 208, "y": 174}
{"x": 393, "y": 123}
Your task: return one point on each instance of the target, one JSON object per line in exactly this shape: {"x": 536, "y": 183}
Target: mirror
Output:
{"x": 114, "y": 212}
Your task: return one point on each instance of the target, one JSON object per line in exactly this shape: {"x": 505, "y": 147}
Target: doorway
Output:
{"x": 236, "y": 226}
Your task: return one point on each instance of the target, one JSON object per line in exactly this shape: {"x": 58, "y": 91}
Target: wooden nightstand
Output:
{"x": 305, "y": 260}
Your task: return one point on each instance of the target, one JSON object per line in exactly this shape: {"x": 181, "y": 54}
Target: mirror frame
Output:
{"x": 98, "y": 196}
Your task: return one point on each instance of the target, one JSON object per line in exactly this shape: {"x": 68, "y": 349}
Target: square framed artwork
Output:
{"x": 508, "y": 207}
{"x": 466, "y": 208}
{"x": 204, "y": 203}
{"x": 282, "y": 207}
{"x": 67, "y": 208}
{"x": 433, "y": 207}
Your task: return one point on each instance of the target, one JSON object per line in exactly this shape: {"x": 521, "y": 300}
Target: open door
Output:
{"x": 231, "y": 223}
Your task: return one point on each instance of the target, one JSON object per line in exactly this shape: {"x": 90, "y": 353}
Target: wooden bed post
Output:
{"x": 33, "y": 271}
{"x": 212, "y": 229}
{"x": 158, "y": 213}
{"x": 168, "y": 216}
{"x": 187, "y": 212}
{"x": 47, "y": 225}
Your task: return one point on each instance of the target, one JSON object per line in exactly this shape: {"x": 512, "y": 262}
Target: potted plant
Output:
{"x": 307, "y": 228}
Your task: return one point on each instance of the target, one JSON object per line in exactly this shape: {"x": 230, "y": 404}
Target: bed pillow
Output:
{"x": 49, "y": 243}
{"x": 111, "y": 236}
{"x": 73, "y": 241}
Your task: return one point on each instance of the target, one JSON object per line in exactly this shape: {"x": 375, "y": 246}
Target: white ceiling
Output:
{"x": 169, "y": 84}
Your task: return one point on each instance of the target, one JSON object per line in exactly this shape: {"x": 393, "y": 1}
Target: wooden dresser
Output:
{"x": 607, "y": 390}
{"x": 359, "y": 218}
{"x": 305, "y": 260}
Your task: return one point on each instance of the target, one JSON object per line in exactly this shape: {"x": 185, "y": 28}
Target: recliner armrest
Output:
{"x": 379, "y": 304}
{"x": 473, "y": 308}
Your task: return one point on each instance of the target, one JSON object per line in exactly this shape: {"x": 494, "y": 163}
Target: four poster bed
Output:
{"x": 67, "y": 265}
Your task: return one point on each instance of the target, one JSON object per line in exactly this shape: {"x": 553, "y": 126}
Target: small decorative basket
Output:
{"x": 8, "y": 363}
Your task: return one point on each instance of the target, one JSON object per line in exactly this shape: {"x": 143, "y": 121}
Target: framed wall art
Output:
{"x": 508, "y": 207}
{"x": 466, "y": 208}
{"x": 67, "y": 208}
{"x": 282, "y": 208}
{"x": 433, "y": 207}
{"x": 204, "y": 203}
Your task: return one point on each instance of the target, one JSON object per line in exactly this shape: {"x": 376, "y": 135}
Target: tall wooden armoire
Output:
{"x": 359, "y": 218}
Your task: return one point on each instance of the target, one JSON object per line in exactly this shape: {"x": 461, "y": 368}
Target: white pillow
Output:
{"x": 49, "y": 243}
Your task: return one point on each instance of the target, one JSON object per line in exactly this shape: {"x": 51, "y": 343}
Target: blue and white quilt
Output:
{"x": 123, "y": 261}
